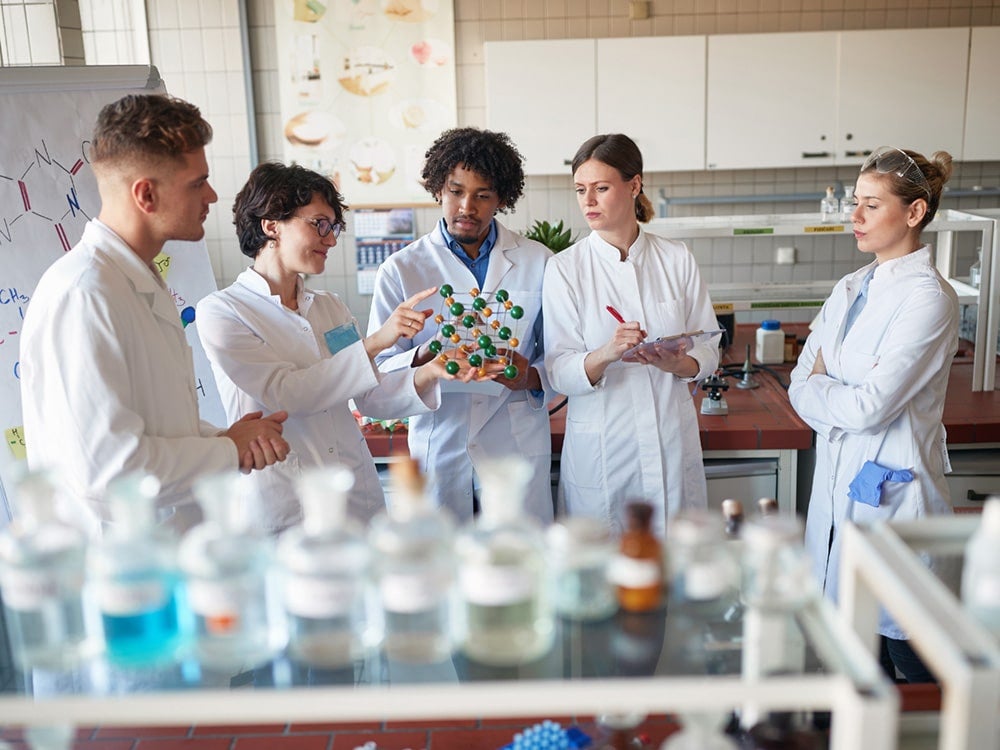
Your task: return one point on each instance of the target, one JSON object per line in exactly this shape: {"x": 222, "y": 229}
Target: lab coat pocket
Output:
{"x": 582, "y": 461}
{"x": 529, "y": 429}
{"x": 855, "y": 366}
{"x": 667, "y": 318}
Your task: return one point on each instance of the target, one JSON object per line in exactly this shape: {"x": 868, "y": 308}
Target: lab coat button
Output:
{"x": 329, "y": 450}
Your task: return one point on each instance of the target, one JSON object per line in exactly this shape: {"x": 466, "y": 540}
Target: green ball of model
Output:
{"x": 490, "y": 351}
{"x": 504, "y": 333}
{"x": 445, "y": 290}
{"x": 468, "y": 321}
{"x": 448, "y": 330}
{"x": 435, "y": 346}
{"x": 452, "y": 367}
{"x": 475, "y": 360}
{"x": 478, "y": 303}
{"x": 457, "y": 308}
{"x": 483, "y": 341}
{"x": 510, "y": 372}
{"x": 517, "y": 312}
{"x": 502, "y": 295}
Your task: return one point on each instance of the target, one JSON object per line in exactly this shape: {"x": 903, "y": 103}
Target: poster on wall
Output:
{"x": 366, "y": 86}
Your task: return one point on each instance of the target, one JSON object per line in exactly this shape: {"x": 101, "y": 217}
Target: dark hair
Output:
{"x": 275, "y": 191}
{"x": 937, "y": 172}
{"x": 489, "y": 154}
{"x": 149, "y": 127}
{"x": 620, "y": 152}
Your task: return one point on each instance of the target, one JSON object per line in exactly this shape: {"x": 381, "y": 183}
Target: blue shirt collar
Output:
{"x": 455, "y": 247}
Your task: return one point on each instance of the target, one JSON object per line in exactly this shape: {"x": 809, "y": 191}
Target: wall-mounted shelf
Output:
{"x": 772, "y": 296}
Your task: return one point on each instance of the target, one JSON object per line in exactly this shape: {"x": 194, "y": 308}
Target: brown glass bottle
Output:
{"x": 637, "y": 572}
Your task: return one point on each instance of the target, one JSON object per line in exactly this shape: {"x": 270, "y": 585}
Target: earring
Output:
{"x": 271, "y": 244}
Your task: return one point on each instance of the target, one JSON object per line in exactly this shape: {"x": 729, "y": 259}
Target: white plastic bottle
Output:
{"x": 829, "y": 207}
{"x": 770, "y": 343}
{"x": 981, "y": 574}
{"x": 324, "y": 565}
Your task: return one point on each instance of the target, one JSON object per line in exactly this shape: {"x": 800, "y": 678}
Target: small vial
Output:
{"x": 580, "y": 549}
{"x": 732, "y": 513}
{"x": 324, "y": 564}
{"x": 847, "y": 205}
{"x": 776, "y": 569}
{"x": 767, "y": 506}
{"x": 507, "y": 615}
{"x": 637, "y": 569}
{"x": 829, "y": 207}
{"x": 704, "y": 573}
{"x": 139, "y": 588}
{"x": 51, "y": 620}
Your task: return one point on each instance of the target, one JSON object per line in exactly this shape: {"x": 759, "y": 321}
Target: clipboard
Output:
{"x": 671, "y": 343}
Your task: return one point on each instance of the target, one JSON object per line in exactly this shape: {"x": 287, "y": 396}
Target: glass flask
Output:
{"x": 704, "y": 574}
{"x": 138, "y": 586}
{"x": 232, "y": 585}
{"x": 579, "y": 552}
{"x": 51, "y": 620}
{"x": 324, "y": 563}
{"x": 637, "y": 569}
{"x": 776, "y": 570}
{"x": 506, "y": 614}
{"x": 413, "y": 570}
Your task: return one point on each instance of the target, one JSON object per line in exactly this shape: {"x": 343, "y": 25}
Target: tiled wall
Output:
{"x": 28, "y": 33}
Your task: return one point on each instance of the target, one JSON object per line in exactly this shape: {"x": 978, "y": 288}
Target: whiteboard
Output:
{"x": 47, "y": 195}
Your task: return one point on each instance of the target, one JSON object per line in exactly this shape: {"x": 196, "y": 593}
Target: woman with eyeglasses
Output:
{"x": 272, "y": 340}
{"x": 871, "y": 380}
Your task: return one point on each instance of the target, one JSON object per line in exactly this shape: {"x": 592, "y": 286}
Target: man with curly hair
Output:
{"x": 107, "y": 383}
{"x": 474, "y": 174}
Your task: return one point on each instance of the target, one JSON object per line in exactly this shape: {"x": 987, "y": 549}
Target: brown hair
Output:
{"x": 149, "y": 127}
{"x": 937, "y": 171}
{"x": 274, "y": 191}
{"x": 620, "y": 152}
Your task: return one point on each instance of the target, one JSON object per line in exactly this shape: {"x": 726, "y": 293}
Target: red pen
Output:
{"x": 618, "y": 316}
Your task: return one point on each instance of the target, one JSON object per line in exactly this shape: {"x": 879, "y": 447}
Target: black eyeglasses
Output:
{"x": 887, "y": 159}
{"x": 324, "y": 226}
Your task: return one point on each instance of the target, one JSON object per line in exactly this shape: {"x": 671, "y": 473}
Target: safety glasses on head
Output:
{"x": 891, "y": 160}
{"x": 324, "y": 226}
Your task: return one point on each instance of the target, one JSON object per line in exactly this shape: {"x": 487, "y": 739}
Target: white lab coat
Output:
{"x": 881, "y": 401}
{"x": 266, "y": 357}
{"x": 633, "y": 434}
{"x": 473, "y": 426}
{"x": 107, "y": 380}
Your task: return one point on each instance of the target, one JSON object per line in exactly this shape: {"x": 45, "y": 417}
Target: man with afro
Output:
{"x": 474, "y": 174}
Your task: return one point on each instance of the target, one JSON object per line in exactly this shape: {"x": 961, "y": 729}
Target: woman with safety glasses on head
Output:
{"x": 871, "y": 380}
{"x": 272, "y": 340}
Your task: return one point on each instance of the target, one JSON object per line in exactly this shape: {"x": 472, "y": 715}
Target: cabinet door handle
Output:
{"x": 568, "y": 162}
{"x": 978, "y": 497}
{"x": 865, "y": 152}
{"x": 816, "y": 154}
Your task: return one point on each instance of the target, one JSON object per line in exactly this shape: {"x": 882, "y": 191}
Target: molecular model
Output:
{"x": 470, "y": 329}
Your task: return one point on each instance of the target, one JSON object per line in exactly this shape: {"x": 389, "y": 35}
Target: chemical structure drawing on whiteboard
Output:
{"x": 468, "y": 329}
{"x": 45, "y": 189}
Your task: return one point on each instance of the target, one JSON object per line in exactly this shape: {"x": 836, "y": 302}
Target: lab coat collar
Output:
{"x": 608, "y": 252}
{"x": 146, "y": 281}
{"x": 259, "y": 286}
{"x": 500, "y": 262}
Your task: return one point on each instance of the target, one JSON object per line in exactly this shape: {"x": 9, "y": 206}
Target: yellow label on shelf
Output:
{"x": 723, "y": 307}
{"x": 15, "y": 439}
{"x": 825, "y": 228}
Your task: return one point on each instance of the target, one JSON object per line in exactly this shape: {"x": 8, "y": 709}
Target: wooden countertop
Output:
{"x": 762, "y": 418}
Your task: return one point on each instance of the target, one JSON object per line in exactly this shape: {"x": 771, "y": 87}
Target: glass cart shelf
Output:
{"x": 744, "y": 297}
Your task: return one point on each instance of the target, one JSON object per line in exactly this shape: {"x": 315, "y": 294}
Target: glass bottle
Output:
{"x": 829, "y": 207}
{"x": 700, "y": 731}
{"x": 579, "y": 551}
{"x": 976, "y": 269}
{"x": 847, "y": 205}
{"x": 703, "y": 571}
{"x": 981, "y": 572}
{"x": 231, "y": 582}
{"x": 51, "y": 620}
{"x": 138, "y": 586}
{"x": 507, "y": 618}
{"x": 732, "y": 513}
{"x": 324, "y": 563}
{"x": 776, "y": 573}
{"x": 767, "y": 506}
{"x": 637, "y": 569}
{"x": 413, "y": 570}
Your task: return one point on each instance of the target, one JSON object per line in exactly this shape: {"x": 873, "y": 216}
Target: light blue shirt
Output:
{"x": 481, "y": 262}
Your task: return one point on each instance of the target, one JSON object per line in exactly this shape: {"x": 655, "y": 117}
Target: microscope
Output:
{"x": 714, "y": 403}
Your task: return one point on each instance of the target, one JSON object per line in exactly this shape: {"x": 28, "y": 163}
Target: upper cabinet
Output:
{"x": 552, "y": 95}
{"x": 832, "y": 97}
{"x": 541, "y": 93}
{"x": 982, "y": 118}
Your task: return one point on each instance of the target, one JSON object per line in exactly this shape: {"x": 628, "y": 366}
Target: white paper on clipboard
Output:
{"x": 671, "y": 343}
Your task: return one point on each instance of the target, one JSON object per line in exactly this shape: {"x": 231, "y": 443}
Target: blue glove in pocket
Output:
{"x": 866, "y": 487}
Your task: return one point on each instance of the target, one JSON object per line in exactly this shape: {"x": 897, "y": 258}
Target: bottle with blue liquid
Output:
{"x": 138, "y": 586}
{"x": 50, "y": 618}
{"x": 324, "y": 565}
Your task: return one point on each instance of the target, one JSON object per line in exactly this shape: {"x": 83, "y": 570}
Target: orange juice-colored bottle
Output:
{"x": 637, "y": 570}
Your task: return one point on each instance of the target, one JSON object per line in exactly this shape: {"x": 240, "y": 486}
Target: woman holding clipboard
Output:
{"x": 631, "y": 425}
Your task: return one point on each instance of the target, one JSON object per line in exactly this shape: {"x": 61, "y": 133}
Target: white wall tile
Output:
{"x": 41, "y": 23}
{"x": 211, "y": 13}
{"x": 188, "y": 13}
{"x": 214, "y": 49}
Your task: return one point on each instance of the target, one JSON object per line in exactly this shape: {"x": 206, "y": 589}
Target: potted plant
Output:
{"x": 553, "y": 236}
